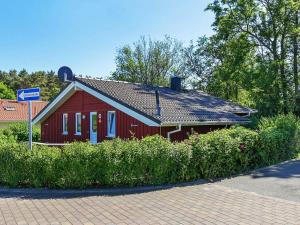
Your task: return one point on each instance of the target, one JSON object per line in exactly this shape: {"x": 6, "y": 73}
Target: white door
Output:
{"x": 93, "y": 127}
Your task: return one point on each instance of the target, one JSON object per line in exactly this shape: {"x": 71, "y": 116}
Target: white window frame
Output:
{"x": 111, "y": 135}
{"x": 65, "y": 123}
{"x": 76, "y": 123}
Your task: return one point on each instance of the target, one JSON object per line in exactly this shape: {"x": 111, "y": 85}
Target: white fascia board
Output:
{"x": 117, "y": 105}
{"x": 204, "y": 123}
{"x": 68, "y": 89}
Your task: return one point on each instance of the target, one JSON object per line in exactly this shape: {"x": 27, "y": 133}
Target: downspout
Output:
{"x": 174, "y": 131}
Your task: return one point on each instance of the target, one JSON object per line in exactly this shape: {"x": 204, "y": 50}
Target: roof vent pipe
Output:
{"x": 158, "y": 109}
{"x": 176, "y": 83}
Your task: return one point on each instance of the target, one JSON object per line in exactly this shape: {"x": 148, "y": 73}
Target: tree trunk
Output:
{"x": 236, "y": 91}
{"x": 295, "y": 51}
{"x": 284, "y": 84}
{"x": 227, "y": 90}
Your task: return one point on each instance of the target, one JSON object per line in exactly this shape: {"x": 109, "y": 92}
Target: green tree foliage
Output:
{"x": 149, "y": 62}
{"x": 253, "y": 56}
{"x": 5, "y": 92}
{"x": 47, "y": 81}
{"x": 199, "y": 63}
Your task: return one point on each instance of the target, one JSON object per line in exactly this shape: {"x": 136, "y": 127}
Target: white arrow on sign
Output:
{"x": 24, "y": 95}
{"x": 21, "y": 95}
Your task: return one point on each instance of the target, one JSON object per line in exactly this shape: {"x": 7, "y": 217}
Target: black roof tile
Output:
{"x": 176, "y": 107}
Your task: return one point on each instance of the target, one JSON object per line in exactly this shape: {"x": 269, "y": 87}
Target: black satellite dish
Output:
{"x": 65, "y": 74}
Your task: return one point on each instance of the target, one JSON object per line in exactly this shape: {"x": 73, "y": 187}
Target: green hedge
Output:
{"x": 19, "y": 131}
{"x": 279, "y": 138}
{"x": 152, "y": 160}
{"x": 224, "y": 152}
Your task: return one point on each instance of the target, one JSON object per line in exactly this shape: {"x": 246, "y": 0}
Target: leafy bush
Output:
{"x": 152, "y": 160}
{"x": 224, "y": 152}
{"x": 279, "y": 138}
{"x": 6, "y": 138}
{"x": 20, "y": 132}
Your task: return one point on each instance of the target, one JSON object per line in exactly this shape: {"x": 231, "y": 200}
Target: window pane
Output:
{"x": 65, "y": 123}
{"x": 78, "y": 123}
{"x": 94, "y": 123}
{"x": 111, "y": 124}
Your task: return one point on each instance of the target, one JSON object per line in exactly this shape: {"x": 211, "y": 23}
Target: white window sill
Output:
{"x": 77, "y": 134}
{"x": 110, "y": 136}
{"x": 65, "y": 133}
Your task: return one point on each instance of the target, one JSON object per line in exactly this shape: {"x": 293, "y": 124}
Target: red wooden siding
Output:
{"x": 126, "y": 126}
{"x": 187, "y": 130}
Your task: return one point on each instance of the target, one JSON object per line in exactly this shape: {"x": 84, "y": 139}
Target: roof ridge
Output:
{"x": 121, "y": 81}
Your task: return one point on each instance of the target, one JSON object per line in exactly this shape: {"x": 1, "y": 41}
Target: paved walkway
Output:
{"x": 281, "y": 181}
{"x": 194, "y": 204}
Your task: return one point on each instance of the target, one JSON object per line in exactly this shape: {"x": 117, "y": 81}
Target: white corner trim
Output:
{"x": 52, "y": 104}
{"x": 117, "y": 105}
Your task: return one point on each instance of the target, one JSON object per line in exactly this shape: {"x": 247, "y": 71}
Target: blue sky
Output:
{"x": 85, "y": 34}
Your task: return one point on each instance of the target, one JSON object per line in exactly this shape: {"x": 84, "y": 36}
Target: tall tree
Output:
{"x": 267, "y": 25}
{"x": 47, "y": 81}
{"x": 199, "y": 63}
{"x": 296, "y": 50}
{"x": 149, "y": 62}
{"x": 5, "y": 92}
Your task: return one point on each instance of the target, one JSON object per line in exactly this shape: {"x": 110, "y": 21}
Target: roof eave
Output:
{"x": 199, "y": 123}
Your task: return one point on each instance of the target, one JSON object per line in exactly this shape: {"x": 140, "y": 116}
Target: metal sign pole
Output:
{"x": 30, "y": 124}
{"x": 29, "y": 95}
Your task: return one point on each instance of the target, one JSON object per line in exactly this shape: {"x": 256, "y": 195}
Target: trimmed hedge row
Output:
{"x": 151, "y": 161}
{"x": 19, "y": 132}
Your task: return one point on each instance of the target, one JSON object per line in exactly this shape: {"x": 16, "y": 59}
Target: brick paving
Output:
{"x": 195, "y": 204}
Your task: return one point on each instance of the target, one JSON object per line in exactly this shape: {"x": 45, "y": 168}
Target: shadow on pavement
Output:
{"x": 24, "y": 193}
{"x": 288, "y": 169}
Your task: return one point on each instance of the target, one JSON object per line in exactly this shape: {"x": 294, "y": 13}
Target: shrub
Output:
{"x": 20, "y": 132}
{"x": 153, "y": 160}
{"x": 72, "y": 166}
{"x": 150, "y": 161}
{"x": 12, "y": 164}
{"x": 224, "y": 152}
{"x": 6, "y": 138}
{"x": 279, "y": 138}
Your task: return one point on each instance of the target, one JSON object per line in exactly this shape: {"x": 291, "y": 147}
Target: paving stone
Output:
{"x": 195, "y": 204}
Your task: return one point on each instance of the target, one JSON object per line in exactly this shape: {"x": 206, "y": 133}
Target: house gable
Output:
{"x": 75, "y": 86}
{"x": 84, "y": 103}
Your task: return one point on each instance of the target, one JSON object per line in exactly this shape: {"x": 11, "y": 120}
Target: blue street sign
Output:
{"x": 31, "y": 94}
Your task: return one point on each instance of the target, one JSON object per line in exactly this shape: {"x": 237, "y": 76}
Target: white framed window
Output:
{"x": 65, "y": 123}
{"x": 111, "y": 124}
{"x": 77, "y": 123}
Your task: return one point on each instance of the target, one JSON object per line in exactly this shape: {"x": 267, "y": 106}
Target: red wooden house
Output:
{"x": 96, "y": 110}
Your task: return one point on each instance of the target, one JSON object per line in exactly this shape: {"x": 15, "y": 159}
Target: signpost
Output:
{"x": 28, "y": 95}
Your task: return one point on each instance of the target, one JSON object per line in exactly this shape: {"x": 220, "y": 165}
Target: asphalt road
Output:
{"x": 281, "y": 181}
